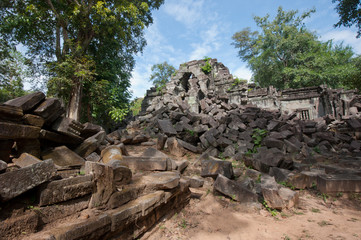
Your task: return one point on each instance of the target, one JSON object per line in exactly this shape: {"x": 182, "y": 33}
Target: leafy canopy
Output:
{"x": 287, "y": 55}
{"x": 161, "y": 74}
{"x": 350, "y": 14}
{"x": 86, "y": 46}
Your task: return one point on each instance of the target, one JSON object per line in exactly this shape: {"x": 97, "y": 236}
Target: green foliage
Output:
{"x": 350, "y": 14}
{"x": 287, "y": 55}
{"x": 161, "y": 74}
{"x": 237, "y": 81}
{"x": 14, "y": 70}
{"x": 89, "y": 45}
{"x": 273, "y": 212}
{"x": 317, "y": 149}
{"x": 135, "y": 106}
{"x": 207, "y": 67}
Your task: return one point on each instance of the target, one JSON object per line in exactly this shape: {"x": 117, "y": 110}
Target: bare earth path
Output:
{"x": 216, "y": 217}
{"x": 212, "y": 216}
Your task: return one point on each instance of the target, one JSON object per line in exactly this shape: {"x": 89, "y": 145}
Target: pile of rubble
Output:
{"x": 64, "y": 180}
{"x": 193, "y": 113}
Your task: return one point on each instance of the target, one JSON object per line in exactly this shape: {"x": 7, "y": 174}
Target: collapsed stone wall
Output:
{"x": 60, "y": 179}
{"x": 192, "y": 85}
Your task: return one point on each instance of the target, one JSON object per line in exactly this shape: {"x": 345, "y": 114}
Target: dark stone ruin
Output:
{"x": 60, "y": 179}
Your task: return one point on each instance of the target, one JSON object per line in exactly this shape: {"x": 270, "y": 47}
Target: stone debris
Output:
{"x": 293, "y": 139}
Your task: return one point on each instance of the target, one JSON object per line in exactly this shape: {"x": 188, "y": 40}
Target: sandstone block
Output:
{"x": 27, "y": 102}
{"x": 65, "y": 189}
{"x": 25, "y": 160}
{"x": 25, "y": 178}
{"x": 233, "y": 189}
{"x": 211, "y": 168}
{"x": 63, "y": 156}
{"x": 18, "y": 131}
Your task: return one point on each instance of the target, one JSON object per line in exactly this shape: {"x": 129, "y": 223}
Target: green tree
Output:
{"x": 286, "y": 55}
{"x": 350, "y": 14}
{"x": 14, "y": 70}
{"x": 161, "y": 74}
{"x": 93, "y": 43}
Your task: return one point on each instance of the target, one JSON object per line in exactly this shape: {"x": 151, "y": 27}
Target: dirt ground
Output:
{"x": 210, "y": 215}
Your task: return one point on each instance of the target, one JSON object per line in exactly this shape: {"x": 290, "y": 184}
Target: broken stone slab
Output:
{"x": 195, "y": 182}
{"x": 149, "y": 143}
{"x": 111, "y": 153}
{"x": 174, "y": 147}
{"x": 103, "y": 176}
{"x": 280, "y": 175}
{"x": 90, "y": 144}
{"x": 93, "y": 157}
{"x": 94, "y": 227}
{"x": 159, "y": 180}
{"x": 189, "y": 146}
{"x": 211, "y": 168}
{"x": 25, "y": 178}
{"x": 25, "y": 160}
{"x": 267, "y": 158}
{"x": 31, "y": 146}
{"x": 18, "y": 131}
{"x": 122, "y": 174}
{"x": 27, "y": 102}
{"x": 67, "y": 126}
{"x": 50, "y": 110}
{"x": 141, "y": 205}
{"x": 33, "y": 120}
{"x": 146, "y": 163}
{"x": 59, "y": 138}
{"x": 5, "y": 149}
{"x": 229, "y": 151}
{"x": 152, "y": 152}
{"x": 10, "y": 113}
{"x": 333, "y": 183}
{"x": 233, "y": 189}
{"x": 65, "y": 189}
{"x": 354, "y": 123}
{"x": 123, "y": 196}
{"x": 3, "y": 166}
{"x": 273, "y": 143}
{"x": 181, "y": 165}
{"x": 277, "y": 196}
{"x": 139, "y": 138}
{"x": 63, "y": 156}
{"x": 166, "y": 127}
{"x": 305, "y": 179}
{"x": 90, "y": 129}
{"x": 162, "y": 138}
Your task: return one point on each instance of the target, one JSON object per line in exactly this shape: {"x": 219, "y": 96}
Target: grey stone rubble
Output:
{"x": 303, "y": 139}
{"x": 288, "y": 134}
{"x": 57, "y": 168}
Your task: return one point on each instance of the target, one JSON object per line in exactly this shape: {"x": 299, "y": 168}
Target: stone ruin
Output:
{"x": 60, "y": 179}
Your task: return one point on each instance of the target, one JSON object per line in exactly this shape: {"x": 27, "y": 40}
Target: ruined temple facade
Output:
{"x": 192, "y": 85}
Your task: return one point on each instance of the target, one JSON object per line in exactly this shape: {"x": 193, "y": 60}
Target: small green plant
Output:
{"x": 315, "y": 210}
{"x": 207, "y": 68}
{"x": 221, "y": 156}
{"x": 287, "y": 184}
{"x": 285, "y": 237}
{"x": 183, "y": 224}
{"x": 324, "y": 196}
{"x": 273, "y": 212}
{"x": 208, "y": 191}
{"x": 324, "y": 223}
{"x": 233, "y": 197}
{"x": 175, "y": 73}
{"x": 314, "y": 185}
{"x": 317, "y": 149}
{"x": 81, "y": 172}
{"x": 192, "y": 132}
{"x": 339, "y": 194}
{"x": 259, "y": 178}
{"x": 257, "y": 136}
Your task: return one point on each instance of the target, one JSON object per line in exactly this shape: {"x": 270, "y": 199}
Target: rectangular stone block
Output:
{"x": 17, "y": 182}
{"x": 145, "y": 163}
{"x": 59, "y": 138}
{"x": 33, "y": 120}
{"x": 10, "y": 113}
{"x": 63, "y": 156}
{"x": 65, "y": 189}
{"x": 27, "y": 102}
{"x": 18, "y": 131}
{"x": 50, "y": 110}
{"x": 339, "y": 183}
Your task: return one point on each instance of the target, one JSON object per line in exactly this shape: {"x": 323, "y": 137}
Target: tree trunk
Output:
{"x": 74, "y": 102}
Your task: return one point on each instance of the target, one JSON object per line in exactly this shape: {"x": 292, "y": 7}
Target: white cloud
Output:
{"x": 209, "y": 42}
{"x": 243, "y": 72}
{"x": 187, "y": 12}
{"x": 347, "y": 36}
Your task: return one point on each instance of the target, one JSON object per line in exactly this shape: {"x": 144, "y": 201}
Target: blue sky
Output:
{"x": 185, "y": 30}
